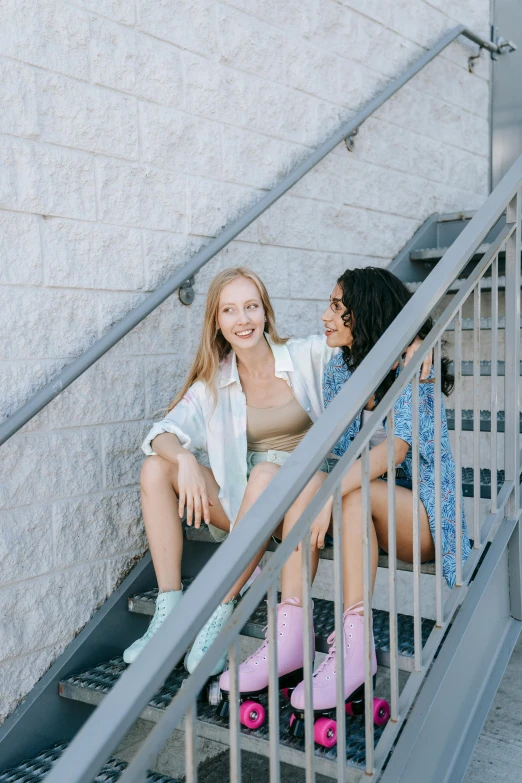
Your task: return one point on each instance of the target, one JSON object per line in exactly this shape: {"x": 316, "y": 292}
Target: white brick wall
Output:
{"x": 131, "y": 132}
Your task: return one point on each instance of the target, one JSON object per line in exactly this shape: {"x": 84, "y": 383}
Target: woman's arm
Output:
{"x": 167, "y": 445}
{"x": 378, "y": 464}
{"x": 410, "y": 353}
{"x": 192, "y": 487}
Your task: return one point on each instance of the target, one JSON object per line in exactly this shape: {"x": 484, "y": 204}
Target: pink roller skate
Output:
{"x": 253, "y": 673}
{"x": 323, "y": 685}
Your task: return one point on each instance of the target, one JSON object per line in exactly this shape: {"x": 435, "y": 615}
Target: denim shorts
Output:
{"x": 276, "y": 458}
{"x": 401, "y": 479}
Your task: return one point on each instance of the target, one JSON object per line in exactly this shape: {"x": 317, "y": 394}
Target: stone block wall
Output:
{"x": 130, "y": 133}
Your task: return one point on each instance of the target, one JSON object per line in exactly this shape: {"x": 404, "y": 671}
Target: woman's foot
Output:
{"x": 253, "y": 673}
{"x": 165, "y": 603}
{"x": 324, "y": 678}
{"x": 206, "y": 638}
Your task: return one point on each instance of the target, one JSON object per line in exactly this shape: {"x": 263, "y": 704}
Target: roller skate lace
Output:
{"x": 212, "y": 629}
{"x": 260, "y": 653}
{"x": 159, "y": 615}
{"x": 327, "y": 668}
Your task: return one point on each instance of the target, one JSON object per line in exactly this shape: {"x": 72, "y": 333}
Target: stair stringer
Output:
{"x": 44, "y": 718}
{"x": 444, "y": 724}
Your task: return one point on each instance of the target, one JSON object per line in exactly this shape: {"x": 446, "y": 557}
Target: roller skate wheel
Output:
{"x": 325, "y": 732}
{"x": 381, "y": 712}
{"x": 292, "y": 719}
{"x": 251, "y": 714}
{"x": 286, "y": 693}
{"x": 349, "y": 709}
{"x": 214, "y": 693}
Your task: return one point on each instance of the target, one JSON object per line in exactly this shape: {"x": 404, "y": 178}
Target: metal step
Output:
{"x": 436, "y": 253}
{"x": 92, "y": 685}
{"x": 203, "y": 534}
{"x": 485, "y": 369}
{"x": 35, "y": 770}
{"x": 485, "y": 284}
{"x": 485, "y": 324}
{"x": 485, "y": 420}
{"x": 485, "y": 482}
{"x": 144, "y": 603}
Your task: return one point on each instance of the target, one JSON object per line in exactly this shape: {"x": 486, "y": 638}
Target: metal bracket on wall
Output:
{"x": 186, "y": 291}
{"x": 350, "y": 140}
{"x": 473, "y": 58}
{"x": 504, "y": 46}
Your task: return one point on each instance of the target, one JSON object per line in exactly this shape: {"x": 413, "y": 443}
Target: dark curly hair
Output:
{"x": 373, "y": 298}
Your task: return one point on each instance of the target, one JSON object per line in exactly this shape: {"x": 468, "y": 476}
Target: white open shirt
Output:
{"x": 222, "y": 431}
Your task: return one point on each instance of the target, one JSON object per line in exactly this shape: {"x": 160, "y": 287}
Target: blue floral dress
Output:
{"x": 335, "y": 376}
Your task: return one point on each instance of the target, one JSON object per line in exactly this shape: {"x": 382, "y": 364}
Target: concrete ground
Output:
{"x": 498, "y": 753}
{"x": 497, "y": 757}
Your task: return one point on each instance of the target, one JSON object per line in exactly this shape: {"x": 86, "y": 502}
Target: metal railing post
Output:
{"x": 511, "y": 399}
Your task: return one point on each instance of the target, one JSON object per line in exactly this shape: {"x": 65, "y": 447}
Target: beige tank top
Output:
{"x": 280, "y": 428}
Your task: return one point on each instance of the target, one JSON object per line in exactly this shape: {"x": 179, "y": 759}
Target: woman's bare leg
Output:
{"x": 159, "y": 502}
{"x": 259, "y": 479}
{"x": 352, "y": 534}
{"x": 291, "y": 577}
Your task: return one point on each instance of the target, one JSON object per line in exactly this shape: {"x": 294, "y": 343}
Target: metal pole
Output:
{"x": 417, "y": 622}
{"x": 339, "y": 633}
{"x": 392, "y": 570}
{"x": 191, "y": 759}
{"x": 273, "y": 685}
{"x": 308, "y": 665}
{"x": 368, "y": 617}
{"x": 512, "y": 398}
{"x": 438, "y": 486}
{"x": 234, "y": 724}
{"x": 476, "y": 416}
{"x": 494, "y": 382}
{"x": 458, "y": 445}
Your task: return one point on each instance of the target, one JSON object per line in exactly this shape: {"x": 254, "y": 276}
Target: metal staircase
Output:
{"x": 450, "y": 662}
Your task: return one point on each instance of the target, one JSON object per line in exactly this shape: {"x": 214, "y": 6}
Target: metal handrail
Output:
{"x": 124, "y": 703}
{"x": 77, "y": 367}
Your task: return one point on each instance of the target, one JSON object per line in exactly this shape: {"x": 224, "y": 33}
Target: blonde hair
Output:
{"x": 212, "y": 346}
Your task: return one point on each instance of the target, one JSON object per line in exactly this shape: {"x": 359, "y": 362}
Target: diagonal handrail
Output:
{"x": 77, "y": 367}
{"x": 125, "y": 701}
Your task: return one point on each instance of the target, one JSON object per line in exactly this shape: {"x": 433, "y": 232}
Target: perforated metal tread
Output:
{"x": 485, "y": 482}
{"x": 485, "y": 420}
{"x": 92, "y": 685}
{"x": 143, "y": 603}
{"x": 436, "y": 253}
{"x": 35, "y": 770}
{"x": 203, "y": 534}
{"x": 485, "y": 284}
{"x": 468, "y": 324}
{"x": 485, "y": 369}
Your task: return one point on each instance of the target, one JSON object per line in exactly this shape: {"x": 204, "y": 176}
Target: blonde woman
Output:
{"x": 249, "y": 399}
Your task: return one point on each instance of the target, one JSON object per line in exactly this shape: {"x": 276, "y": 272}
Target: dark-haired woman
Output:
{"x": 362, "y": 306}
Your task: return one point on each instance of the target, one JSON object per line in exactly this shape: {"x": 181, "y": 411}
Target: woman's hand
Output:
{"x": 320, "y": 526}
{"x": 192, "y": 490}
{"x": 410, "y": 353}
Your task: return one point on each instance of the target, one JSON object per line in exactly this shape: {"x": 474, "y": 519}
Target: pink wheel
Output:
{"x": 349, "y": 709}
{"x": 325, "y": 732}
{"x": 292, "y": 719}
{"x": 286, "y": 693}
{"x": 251, "y": 714}
{"x": 381, "y": 712}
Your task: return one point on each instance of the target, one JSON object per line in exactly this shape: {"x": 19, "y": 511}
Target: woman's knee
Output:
{"x": 262, "y": 473}
{"x": 352, "y": 499}
{"x": 155, "y": 470}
